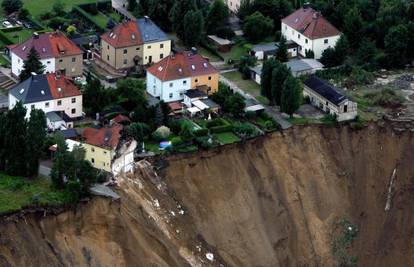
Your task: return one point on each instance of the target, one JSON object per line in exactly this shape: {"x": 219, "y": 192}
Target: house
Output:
{"x": 193, "y": 95}
{"x": 49, "y": 92}
{"x": 170, "y": 78}
{"x": 134, "y": 42}
{"x": 233, "y": 5}
{"x": 196, "y": 101}
{"x": 303, "y": 66}
{"x": 58, "y": 120}
{"x": 101, "y": 145}
{"x": 329, "y": 99}
{"x": 56, "y": 51}
{"x": 269, "y": 50}
{"x": 256, "y": 73}
{"x": 310, "y": 30}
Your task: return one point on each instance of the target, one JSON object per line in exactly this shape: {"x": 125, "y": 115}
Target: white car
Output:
{"x": 7, "y": 24}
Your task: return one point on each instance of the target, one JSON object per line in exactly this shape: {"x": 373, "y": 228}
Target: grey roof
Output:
{"x": 152, "y": 100}
{"x": 299, "y": 65}
{"x": 150, "y": 32}
{"x": 257, "y": 69}
{"x": 69, "y": 133}
{"x": 268, "y": 47}
{"x": 210, "y": 103}
{"x": 195, "y": 93}
{"x": 325, "y": 89}
{"x": 53, "y": 116}
{"x": 34, "y": 89}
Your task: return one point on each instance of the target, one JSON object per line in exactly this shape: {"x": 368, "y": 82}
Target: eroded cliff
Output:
{"x": 273, "y": 201}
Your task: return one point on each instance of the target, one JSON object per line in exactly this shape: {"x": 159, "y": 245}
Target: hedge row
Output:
{"x": 87, "y": 16}
{"x": 201, "y": 132}
{"x": 222, "y": 128}
{"x": 5, "y": 39}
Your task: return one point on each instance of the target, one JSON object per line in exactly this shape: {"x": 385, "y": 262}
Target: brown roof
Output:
{"x": 311, "y": 24}
{"x": 124, "y": 35}
{"x": 182, "y": 65}
{"x": 48, "y": 45}
{"x": 107, "y": 137}
{"x": 61, "y": 86}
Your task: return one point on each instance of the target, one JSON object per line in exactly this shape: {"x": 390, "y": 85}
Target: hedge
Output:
{"x": 17, "y": 28}
{"x": 201, "y": 132}
{"x": 87, "y": 16}
{"x": 221, "y": 129}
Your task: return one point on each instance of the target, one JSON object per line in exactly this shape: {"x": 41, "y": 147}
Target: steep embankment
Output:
{"x": 273, "y": 201}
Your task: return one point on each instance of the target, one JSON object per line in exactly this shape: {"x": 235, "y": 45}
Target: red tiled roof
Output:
{"x": 107, "y": 137}
{"x": 48, "y": 45}
{"x": 121, "y": 118}
{"x": 124, "y": 35}
{"x": 61, "y": 86}
{"x": 311, "y": 24}
{"x": 175, "y": 106}
{"x": 181, "y": 65}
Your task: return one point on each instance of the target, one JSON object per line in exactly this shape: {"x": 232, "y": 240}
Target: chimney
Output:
{"x": 194, "y": 50}
{"x": 172, "y": 54}
{"x": 307, "y": 5}
{"x": 33, "y": 73}
{"x": 316, "y": 15}
{"x": 146, "y": 18}
{"x": 35, "y": 35}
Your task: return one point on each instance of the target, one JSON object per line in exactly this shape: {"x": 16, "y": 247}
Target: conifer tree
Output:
{"x": 35, "y": 138}
{"x": 31, "y": 64}
{"x": 291, "y": 95}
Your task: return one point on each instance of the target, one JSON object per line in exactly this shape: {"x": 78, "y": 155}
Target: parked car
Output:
{"x": 7, "y": 24}
{"x": 28, "y": 25}
{"x": 19, "y": 22}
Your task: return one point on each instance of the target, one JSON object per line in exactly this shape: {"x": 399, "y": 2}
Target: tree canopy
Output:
{"x": 31, "y": 65}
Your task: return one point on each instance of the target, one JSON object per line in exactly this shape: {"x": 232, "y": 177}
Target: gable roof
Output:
{"x": 107, "y": 137}
{"x": 304, "y": 64}
{"x": 310, "y": 23}
{"x": 181, "y": 65}
{"x": 47, "y": 45}
{"x": 134, "y": 32}
{"x": 44, "y": 87}
{"x": 325, "y": 89}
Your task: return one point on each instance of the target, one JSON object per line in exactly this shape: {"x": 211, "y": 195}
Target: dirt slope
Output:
{"x": 270, "y": 202}
{"x": 274, "y": 202}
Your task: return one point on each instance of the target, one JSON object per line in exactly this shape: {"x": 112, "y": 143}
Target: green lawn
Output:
{"x": 17, "y": 193}
{"x": 249, "y": 86}
{"x": 101, "y": 19}
{"x": 205, "y": 53}
{"x": 227, "y": 138}
{"x": 236, "y": 52}
{"x": 4, "y": 61}
{"x": 19, "y": 36}
{"x": 37, "y": 7}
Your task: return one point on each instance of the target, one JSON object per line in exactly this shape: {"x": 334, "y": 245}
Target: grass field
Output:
{"x": 227, "y": 138}
{"x": 20, "y": 35}
{"x": 236, "y": 52}
{"x": 17, "y": 193}
{"x": 37, "y": 7}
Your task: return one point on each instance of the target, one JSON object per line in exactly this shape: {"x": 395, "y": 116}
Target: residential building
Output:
{"x": 53, "y": 93}
{"x": 329, "y": 99}
{"x": 101, "y": 145}
{"x": 233, "y": 5}
{"x": 269, "y": 50}
{"x": 134, "y": 42}
{"x": 170, "y": 78}
{"x": 310, "y": 30}
{"x": 56, "y": 51}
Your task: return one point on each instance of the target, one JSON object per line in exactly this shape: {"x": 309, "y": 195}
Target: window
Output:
{"x": 59, "y": 103}
{"x": 325, "y": 41}
{"x": 125, "y": 51}
{"x": 209, "y": 78}
{"x": 46, "y": 104}
{"x": 74, "y": 59}
{"x": 161, "y": 56}
{"x": 306, "y": 40}
{"x": 32, "y": 106}
{"x": 103, "y": 163}
{"x": 345, "y": 108}
{"x": 18, "y": 61}
{"x": 93, "y": 160}
{"x": 107, "y": 57}
{"x": 298, "y": 36}
{"x": 107, "y": 47}
{"x": 171, "y": 95}
{"x": 60, "y": 60}
{"x": 48, "y": 62}
{"x": 74, "y": 100}
{"x": 184, "y": 82}
{"x": 149, "y": 47}
{"x": 125, "y": 61}
{"x": 137, "y": 48}
{"x": 73, "y": 110}
{"x": 171, "y": 84}
{"x": 105, "y": 152}
{"x": 196, "y": 80}
{"x": 92, "y": 149}
{"x": 161, "y": 45}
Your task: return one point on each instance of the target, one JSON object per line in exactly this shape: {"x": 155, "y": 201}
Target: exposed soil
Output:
{"x": 273, "y": 201}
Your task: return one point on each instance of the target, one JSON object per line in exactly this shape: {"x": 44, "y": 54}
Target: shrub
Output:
{"x": 177, "y": 141}
{"x": 245, "y": 130}
{"x": 221, "y": 129}
{"x": 161, "y": 134}
{"x": 385, "y": 98}
{"x": 225, "y": 32}
{"x": 175, "y": 126}
{"x": 215, "y": 122}
{"x": 206, "y": 142}
{"x": 250, "y": 115}
{"x": 201, "y": 132}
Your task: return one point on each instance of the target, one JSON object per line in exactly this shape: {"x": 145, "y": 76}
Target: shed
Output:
{"x": 223, "y": 45}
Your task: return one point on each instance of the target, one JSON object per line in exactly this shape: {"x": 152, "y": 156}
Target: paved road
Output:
{"x": 272, "y": 111}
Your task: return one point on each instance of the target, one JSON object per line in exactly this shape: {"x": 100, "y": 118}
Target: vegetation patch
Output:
{"x": 343, "y": 237}
{"x": 227, "y": 138}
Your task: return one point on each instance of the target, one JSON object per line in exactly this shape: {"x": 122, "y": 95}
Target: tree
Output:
{"x": 95, "y": 96}
{"x": 396, "y": 45}
{"x": 138, "y": 131}
{"x": 187, "y": 131}
{"x": 279, "y": 75}
{"x": 291, "y": 95}
{"x": 159, "y": 11}
{"x": 309, "y": 53}
{"x": 58, "y": 8}
{"x": 10, "y": 6}
{"x": 257, "y": 27}
{"x": 341, "y": 49}
{"x": 60, "y": 161}
{"x": 222, "y": 94}
{"x": 266, "y": 78}
{"x": 177, "y": 13}
{"x": 282, "y": 51}
{"x": 353, "y": 27}
{"x": 3, "y": 132}
{"x": 193, "y": 28}
{"x": 235, "y": 104}
{"x": 23, "y": 14}
{"x": 31, "y": 65}
{"x": 131, "y": 93}
{"x": 132, "y": 5}
{"x": 328, "y": 58}
{"x": 35, "y": 138}
{"x": 217, "y": 16}
{"x": 15, "y": 140}
{"x": 70, "y": 30}
{"x": 366, "y": 52}
{"x": 244, "y": 65}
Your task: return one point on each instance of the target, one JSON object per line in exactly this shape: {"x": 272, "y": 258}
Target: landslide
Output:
{"x": 272, "y": 201}
{"x": 276, "y": 201}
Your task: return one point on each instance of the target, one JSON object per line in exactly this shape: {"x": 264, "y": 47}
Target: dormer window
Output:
{"x": 192, "y": 67}
{"x": 21, "y": 91}
{"x": 133, "y": 36}
{"x": 205, "y": 65}
{"x": 111, "y": 34}
{"x": 24, "y": 48}
{"x": 59, "y": 89}
{"x": 113, "y": 37}
{"x": 42, "y": 92}
{"x": 160, "y": 68}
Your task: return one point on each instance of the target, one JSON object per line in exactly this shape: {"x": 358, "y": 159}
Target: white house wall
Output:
{"x": 17, "y": 64}
{"x": 316, "y": 45}
{"x": 163, "y": 89}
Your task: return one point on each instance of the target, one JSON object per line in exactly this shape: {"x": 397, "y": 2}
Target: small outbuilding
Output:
{"x": 222, "y": 45}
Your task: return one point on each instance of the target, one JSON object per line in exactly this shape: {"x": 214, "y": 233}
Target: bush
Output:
{"x": 206, "y": 142}
{"x": 245, "y": 130}
{"x": 225, "y": 32}
{"x": 221, "y": 129}
{"x": 201, "y": 132}
{"x": 250, "y": 115}
{"x": 385, "y": 98}
{"x": 161, "y": 134}
{"x": 216, "y": 122}
{"x": 177, "y": 141}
